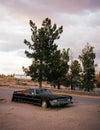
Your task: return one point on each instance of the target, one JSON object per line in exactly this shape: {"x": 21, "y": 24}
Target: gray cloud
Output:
{"x": 12, "y": 42}
{"x": 12, "y": 62}
{"x": 80, "y": 18}
{"x": 72, "y": 6}
{"x": 44, "y": 7}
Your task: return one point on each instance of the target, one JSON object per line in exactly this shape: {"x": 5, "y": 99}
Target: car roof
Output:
{"x": 37, "y": 88}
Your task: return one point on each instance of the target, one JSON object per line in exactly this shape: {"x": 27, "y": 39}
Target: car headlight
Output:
{"x": 54, "y": 101}
{"x": 69, "y": 100}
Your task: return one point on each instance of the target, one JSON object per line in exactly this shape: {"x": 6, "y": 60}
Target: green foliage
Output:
{"x": 43, "y": 49}
{"x": 75, "y": 67}
{"x": 87, "y": 58}
{"x": 73, "y": 77}
{"x": 75, "y": 70}
{"x": 59, "y": 68}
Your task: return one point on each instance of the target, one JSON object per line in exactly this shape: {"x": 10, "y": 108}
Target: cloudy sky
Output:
{"x": 80, "y": 20}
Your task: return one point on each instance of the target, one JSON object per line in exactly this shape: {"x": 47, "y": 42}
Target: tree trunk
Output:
{"x": 71, "y": 83}
{"x": 40, "y": 77}
{"x": 58, "y": 85}
{"x": 54, "y": 86}
{"x": 40, "y": 84}
{"x": 72, "y": 87}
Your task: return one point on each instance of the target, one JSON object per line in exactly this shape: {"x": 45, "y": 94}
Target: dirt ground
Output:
{"x": 82, "y": 115}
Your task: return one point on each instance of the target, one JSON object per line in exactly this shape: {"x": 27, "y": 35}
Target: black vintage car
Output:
{"x": 41, "y": 96}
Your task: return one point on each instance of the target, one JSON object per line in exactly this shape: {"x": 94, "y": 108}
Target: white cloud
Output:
{"x": 12, "y": 62}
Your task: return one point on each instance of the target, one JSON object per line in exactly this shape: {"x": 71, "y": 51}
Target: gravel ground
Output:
{"x": 84, "y": 114}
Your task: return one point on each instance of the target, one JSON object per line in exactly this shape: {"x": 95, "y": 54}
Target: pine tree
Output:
{"x": 75, "y": 70}
{"x": 59, "y": 68}
{"x": 43, "y": 49}
{"x": 87, "y": 58}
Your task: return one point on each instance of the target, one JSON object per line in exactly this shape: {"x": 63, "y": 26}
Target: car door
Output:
{"x": 27, "y": 96}
{"x": 36, "y": 98}
{"x": 30, "y": 96}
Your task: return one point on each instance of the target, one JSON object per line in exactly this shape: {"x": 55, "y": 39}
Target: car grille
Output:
{"x": 64, "y": 100}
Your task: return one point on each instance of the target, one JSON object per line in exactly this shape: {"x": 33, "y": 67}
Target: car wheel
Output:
{"x": 44, "y": 104}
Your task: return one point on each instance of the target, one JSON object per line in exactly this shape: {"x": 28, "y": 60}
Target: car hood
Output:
{"x": 55, "y": 96}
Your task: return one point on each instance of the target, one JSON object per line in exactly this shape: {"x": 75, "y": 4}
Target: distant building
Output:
{"x": 21, "y": 76}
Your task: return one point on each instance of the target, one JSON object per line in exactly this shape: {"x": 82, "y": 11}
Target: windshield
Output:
{"x": 43, "y": 91}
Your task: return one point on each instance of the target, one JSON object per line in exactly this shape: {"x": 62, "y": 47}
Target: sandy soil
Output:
{"x": 20, "y": 116}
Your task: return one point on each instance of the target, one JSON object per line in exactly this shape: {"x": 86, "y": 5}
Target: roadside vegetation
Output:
{"x": 11, "y": 82}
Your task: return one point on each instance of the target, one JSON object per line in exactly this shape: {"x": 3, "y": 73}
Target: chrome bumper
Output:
{"x": 60, "y": 102}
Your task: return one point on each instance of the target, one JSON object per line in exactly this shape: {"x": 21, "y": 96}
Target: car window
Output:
{"x": 43, "y": 91}
{"x": 30, "y": 91}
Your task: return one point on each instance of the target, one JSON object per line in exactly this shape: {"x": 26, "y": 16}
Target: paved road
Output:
{"x": 84, "y": 114}
{"x": 87, "y": 100}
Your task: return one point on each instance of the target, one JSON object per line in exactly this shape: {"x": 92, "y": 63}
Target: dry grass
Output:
{"x": 16, "y": 83}
{"x": 12, "y": 82}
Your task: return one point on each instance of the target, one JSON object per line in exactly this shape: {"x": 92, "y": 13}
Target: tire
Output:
{"x": 44, "y": 104}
